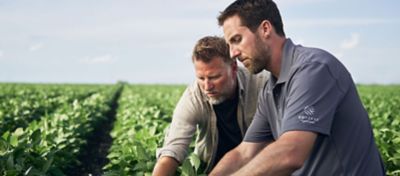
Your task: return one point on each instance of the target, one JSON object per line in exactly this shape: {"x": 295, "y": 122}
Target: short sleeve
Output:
{"x": 313, "y": 97}
{"x": 259, "y": 129}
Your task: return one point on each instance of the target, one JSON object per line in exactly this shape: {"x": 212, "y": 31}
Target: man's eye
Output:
{"x": 236, "y": 39}
{"x": 214, "y": 77}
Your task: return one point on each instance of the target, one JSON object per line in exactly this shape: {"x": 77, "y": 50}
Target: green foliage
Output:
{"x": 383, "y": 106}
{"x": 43, "y": 127}
{"x": 192, "y": 166}
{"x": 50, "y": 144}
{"x": 144, "y": 112}
{"x": 22, "y": 103}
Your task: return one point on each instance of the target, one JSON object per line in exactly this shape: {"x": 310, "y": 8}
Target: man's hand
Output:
{"x": 165, "y": 166}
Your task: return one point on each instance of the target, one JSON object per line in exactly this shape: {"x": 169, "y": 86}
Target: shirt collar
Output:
{"x": 286, "y": 61}
{"x": 240, "y": 80}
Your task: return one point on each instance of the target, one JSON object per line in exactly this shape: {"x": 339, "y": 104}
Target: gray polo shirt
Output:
{"x": 315, "y": 92}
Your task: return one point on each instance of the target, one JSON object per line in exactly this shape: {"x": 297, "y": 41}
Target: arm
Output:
{"x": 237, "y": 157}
{"x": 165, "y": 166}
{"x": 178, "y": 136}
{"x": 283, "y": 156}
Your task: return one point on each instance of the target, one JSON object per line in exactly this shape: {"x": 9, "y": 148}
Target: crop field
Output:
{"x": 55, "y": 129}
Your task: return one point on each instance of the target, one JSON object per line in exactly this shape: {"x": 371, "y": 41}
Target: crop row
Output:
{"x": 50, "y": 144}
{"x": 43, "y": 128}
{"x": 144, "y": 112}
{"x": 22, "y": 103}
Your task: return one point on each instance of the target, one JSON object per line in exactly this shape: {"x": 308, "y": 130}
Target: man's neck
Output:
{"x": 276, "y": 56}
{"x": 235, "y": 90}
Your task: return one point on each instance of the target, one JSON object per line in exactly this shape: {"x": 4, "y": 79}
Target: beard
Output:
{"x": 256, "y": 65}
{"x": 260, "y": 59}
{"x": 217, "y": 101}
{"x": 226, "y": 93}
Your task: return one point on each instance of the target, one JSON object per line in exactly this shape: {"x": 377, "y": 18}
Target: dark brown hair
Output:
{"x": 252, "y": 13}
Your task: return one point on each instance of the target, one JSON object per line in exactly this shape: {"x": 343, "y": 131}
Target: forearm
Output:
{"x": 270, "y": 161}
{"x": 165, "y": 166}
{"x": 237, "y": 158}
{"x": 281, "y": 157}
{"x": 230, "y": 163}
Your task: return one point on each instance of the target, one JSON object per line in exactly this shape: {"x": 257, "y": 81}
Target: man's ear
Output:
{"x": 265, "y": 29}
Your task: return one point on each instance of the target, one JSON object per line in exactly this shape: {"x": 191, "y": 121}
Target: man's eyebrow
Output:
{"x": 231, "y": 38}
{"x": 234, "y": 38}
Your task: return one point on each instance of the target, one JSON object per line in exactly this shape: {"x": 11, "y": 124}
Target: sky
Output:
{"x": 104, "y": 41}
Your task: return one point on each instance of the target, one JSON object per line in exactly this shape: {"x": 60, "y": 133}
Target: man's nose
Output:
{"x": 234, "y": 52}
{"x": 209, "y": 85}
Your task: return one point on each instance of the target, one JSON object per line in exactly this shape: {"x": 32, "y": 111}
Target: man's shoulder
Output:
{"x": 192, "y": 104}
{"x": 310, "y": 55}
{"x": 309, "y": 59}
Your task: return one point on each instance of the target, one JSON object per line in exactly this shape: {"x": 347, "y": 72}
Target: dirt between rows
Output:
{"x": 94, "y": 155}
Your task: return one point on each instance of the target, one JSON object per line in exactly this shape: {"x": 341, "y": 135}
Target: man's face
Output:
{"x": 245, "y": 45}
{"x": 217, "y": 79}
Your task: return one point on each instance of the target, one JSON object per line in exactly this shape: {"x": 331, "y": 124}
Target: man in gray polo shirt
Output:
{"x": 310, "y": 120}
{"x": 220, "y": 105}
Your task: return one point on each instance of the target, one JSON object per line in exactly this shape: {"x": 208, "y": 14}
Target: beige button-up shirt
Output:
{"x": 194, "y": 112}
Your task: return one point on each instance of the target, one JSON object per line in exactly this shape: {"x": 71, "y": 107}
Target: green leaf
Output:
{"x": 14, "y": 140}
{"x": 6, "y": 135}
{"x": 113, "y": 155}
{"x": 396, "y": 140}
{"x": 36, "y": 137}
{"x": 18, "y": 132}
{"x": 4, "y": 147}
{"x": 153, "y": 130}
{"x": 142, "y": 154}
{"x": 195, "y": 161}
{"x": 48, "y": 163}
{"x": 187, "y": 168}
{"x": 10, "y": 162}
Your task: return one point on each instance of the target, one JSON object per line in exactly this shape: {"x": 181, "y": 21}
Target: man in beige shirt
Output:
{"x": 220, "y": 105}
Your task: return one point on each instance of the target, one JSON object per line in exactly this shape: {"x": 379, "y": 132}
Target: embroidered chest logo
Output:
{"x": 308, "y": 115}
